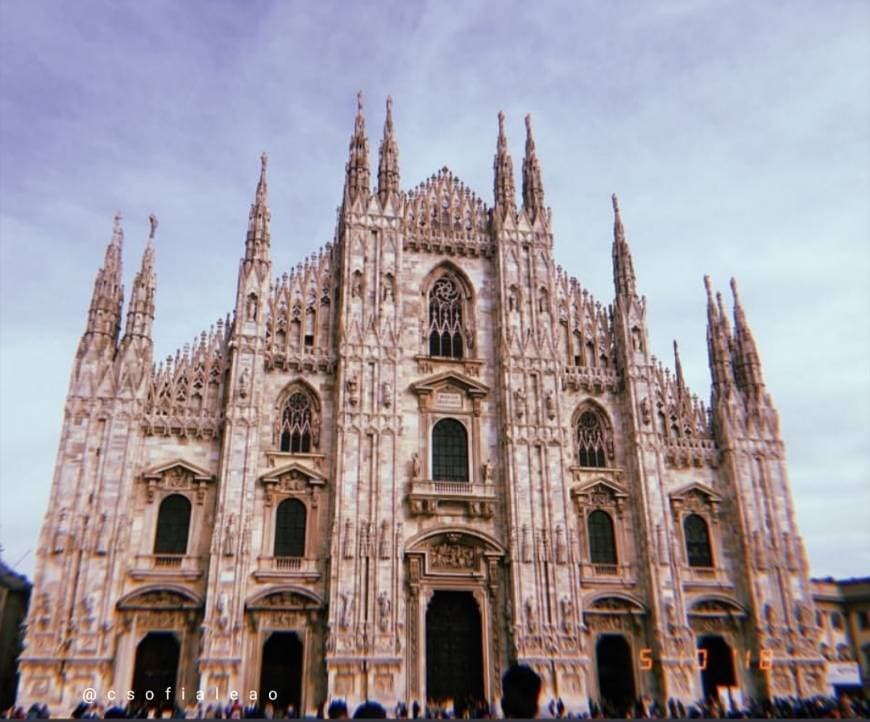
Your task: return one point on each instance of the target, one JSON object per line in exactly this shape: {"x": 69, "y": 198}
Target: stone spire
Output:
{"x": 533, "y": 188}
{"x": 358, "y": 178}
{"x": 258, "y": 239}
{"x": 678, "y": 373}
{"x": 505, "y": 191}
{"x": 140, "y": 314}
{"x": 388, "y": 163}
{"x": 623, "y": 266}
{"x": 718, "y": 344}
{"x": 104, "y": 314}
{"x": 747, "y": 364}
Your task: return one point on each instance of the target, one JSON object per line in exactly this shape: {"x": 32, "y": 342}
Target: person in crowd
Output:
{"x": 521, "y": 687}
{"x": 370, "y": 710}
{"x": 337, "y": 709}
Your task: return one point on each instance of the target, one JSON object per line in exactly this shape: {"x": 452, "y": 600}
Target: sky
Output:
{"x": 736, "y": 134}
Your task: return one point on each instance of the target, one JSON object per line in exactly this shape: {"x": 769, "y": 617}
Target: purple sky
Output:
{"x": 736, "y": 135}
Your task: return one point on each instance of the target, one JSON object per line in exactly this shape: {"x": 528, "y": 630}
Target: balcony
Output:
{"x": 706, "y": 577}
{"x": 272, "y": 568}
{"x": 451, "y": 497}
{"x": 167, "y": 566}
{"x": 621, "y": 574}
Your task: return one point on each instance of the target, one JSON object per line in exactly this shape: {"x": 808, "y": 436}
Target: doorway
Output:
{"x": 156, "y": 669}
{"x": 281, "y": 673}
{"x": 615, "y": 675}
{"x": 454, "y": 651}
{"x": 717, "y": 664}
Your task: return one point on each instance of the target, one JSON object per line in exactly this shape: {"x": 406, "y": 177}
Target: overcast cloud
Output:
{"x": 735, "y": 133}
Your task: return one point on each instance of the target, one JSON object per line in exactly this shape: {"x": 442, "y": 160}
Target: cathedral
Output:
{"x": 423, "y": 454}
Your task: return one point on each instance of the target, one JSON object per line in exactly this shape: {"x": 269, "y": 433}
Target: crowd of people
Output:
{"x": 521, "y": 689}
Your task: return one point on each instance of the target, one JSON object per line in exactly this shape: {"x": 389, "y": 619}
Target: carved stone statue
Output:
{"x": 384, "y": 541}
{"x": 251, "y": 308}
{"x": 387, "y": 394}
{"x": 244, "y": 383}
{"x": 352, "y": 387}
{"x": 384, "y": 609}
{"x": 550, "y": 403}
{"x": 347, "y": 545}
{"x": 346, "y": 610}
{"x": 230, "y": 536}
{"x": 487, "y": 471}
{"x": 531, "y": 621}
{"x": 567, "y": 609}
{"x": 416, "y": 468}
{"x": 519, "y": 403}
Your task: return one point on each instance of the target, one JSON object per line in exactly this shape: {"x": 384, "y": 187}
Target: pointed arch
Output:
{"x": 449, "y": 312}
{"x": 593, "y": 435}
{"x": 297, "y": 418}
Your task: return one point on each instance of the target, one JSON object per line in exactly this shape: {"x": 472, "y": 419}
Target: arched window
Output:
{"x": 591, "y": 440}
{"x": 697, "y": 542}
{"x": 300, "y": 425}
{"x": 445, "y": 319}
{"x": 449, "y": 451}
{"x": 290, "y": 529}
{"x": 173, "y": 525}
{"x": 602, "y": 545}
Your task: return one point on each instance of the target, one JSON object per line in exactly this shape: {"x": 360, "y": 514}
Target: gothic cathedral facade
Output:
{"x": 423, "y": 454}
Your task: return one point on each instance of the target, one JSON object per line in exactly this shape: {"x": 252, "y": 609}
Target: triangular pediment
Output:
{"x": 453, "y": 379}
{"x": 601, "y": 486}
{"x": 696, "y": 488}
{"x": 293, "y": 470}
{"x": 155, "y": 472}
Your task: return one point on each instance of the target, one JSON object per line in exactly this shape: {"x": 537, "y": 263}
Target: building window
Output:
{"x": 290, "y": 529}
{"x": 299, "y": 428}
{"x": 591, "y": 440}
{"x": 697, "y": 541}
{"x": 445, "y": 319}
{"x": 863, "y": 619}
{"x": 449, "y": 451}
{"x": 836, "y": 620}
{"x": 602, "y": 544}
{"x": 173, "y": 525}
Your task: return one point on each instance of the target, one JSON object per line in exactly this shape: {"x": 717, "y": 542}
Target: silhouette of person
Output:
{"x": 521, "y": 687}
{"x": 370, "y": 710}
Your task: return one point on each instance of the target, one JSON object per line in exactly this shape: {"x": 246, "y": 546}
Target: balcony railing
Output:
{"x": 284, "y": 567}
{"x": 621, "y": 573}
{"x": 183, "y": 566}
{"x": 433, "y": 497}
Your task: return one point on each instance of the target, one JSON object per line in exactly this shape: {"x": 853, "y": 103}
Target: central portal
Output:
{"x": 454, "y": 651}
{"x": 156, "y": 669}
{"x": 281, "y": 676}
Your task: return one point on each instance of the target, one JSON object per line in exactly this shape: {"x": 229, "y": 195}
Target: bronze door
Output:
{"x": 454, "y": 650}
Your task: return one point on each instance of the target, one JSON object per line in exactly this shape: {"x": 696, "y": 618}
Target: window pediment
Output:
{"x": 695, "y": 497}
{"x": 600, "y": 492}
{"x": 453, "y": 381}
{"x": 293, "y": 477}
{"x": 177, "y": 475}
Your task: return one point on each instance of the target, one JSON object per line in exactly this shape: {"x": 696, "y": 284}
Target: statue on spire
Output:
{"x": 388, "y": 163}
{"x": 623, "y": 267}
{"x": 503, "y": 183}
{"x": 358, "y": 176}
{"x": 152, "y": 221}
{"x": 533, "y": 188}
